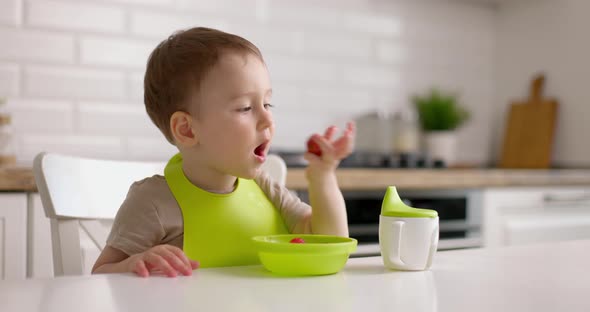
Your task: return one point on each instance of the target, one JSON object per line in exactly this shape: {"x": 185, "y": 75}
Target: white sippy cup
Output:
{"x": 408, "y": 237}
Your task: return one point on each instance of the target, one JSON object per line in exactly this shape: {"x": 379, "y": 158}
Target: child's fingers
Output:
{"x": 325, "y": 145}
{"x": 194, "y": 264}
{"x": 330, "y": 131}
{"x": 157, "y": 272}
{"x": 350, "y": 127}
{"x": 310, "y": 157}
{"x": 182, "y": 256}
{"x": 344, "y": 147}
{"x": 160, "y": 263}
{"x": 345, "y": 144}
{"x": 140, "y": 269}
{"x": 351, "y": 130}
{"x": 176, "y": 262}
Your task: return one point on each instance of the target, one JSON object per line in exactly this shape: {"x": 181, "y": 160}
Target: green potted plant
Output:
{"x": 440, "y": 115}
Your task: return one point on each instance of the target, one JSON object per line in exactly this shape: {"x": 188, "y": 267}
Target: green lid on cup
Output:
{"x": 393, "y": 206}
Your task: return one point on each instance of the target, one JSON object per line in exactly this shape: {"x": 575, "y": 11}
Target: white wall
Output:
{"x": 549, "y": 36}
{"x": 73, "y": 70}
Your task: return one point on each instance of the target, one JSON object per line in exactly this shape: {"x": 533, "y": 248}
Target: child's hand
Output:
{"x": 332, "y": 151}
{"x": 165, "y": 259}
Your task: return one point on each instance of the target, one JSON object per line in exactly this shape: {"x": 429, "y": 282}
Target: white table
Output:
{"x": 549, "y": 277}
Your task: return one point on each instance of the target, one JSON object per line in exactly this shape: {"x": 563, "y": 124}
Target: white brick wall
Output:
{"x": 73, "y": 70}
{"x": 42, "y": 116}
{"x": 114, "y": 119}
{"x": 154, "y": 148}
{"x": 135, "y": 86}
{"x": 10, "y": 12}
{"x": 70, "y": 15}
{"x": 90, "y": 146}
{"x": 143, "y": 2}
{"x": 9, "y": 78}
{"x": 160, "y": 25}
{"x": 73, "y": 82}
{"x": 389, "y": 52}
{"x": 36, "y": 46}
{"x": 288, "y": 40}
{"x": 115, "y": 52}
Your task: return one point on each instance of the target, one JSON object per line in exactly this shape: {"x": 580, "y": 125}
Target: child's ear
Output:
{"x": 182, "y": 130}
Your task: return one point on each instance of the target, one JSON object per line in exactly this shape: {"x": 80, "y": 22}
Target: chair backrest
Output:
{"x": 276, "y": 168}
{"x": 78, "y": 194}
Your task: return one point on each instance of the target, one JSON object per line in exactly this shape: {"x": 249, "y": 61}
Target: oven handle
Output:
{"x": 566, "y": 199}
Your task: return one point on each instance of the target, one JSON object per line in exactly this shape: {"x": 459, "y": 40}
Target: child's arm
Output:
{"x": 167, "y": 259}
{"x": 328, "y": 207}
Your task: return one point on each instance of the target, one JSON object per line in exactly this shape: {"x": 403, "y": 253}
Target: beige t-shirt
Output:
{"x": 150, "y": 215}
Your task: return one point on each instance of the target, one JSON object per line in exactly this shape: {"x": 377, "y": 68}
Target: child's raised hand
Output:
{"x": 166, "y": 259}
{"x": 326, "y": 153}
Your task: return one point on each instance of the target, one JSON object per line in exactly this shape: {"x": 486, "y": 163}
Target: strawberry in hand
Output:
{"x": 325, "y": 152}
{"x": 313, "y": 147}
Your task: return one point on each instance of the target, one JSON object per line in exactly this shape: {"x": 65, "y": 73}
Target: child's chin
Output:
{"x": 250, "y": 174}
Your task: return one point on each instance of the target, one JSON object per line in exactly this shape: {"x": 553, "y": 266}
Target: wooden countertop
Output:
{"x": 424, "y": 179}
{"x": 21, "y": 179}
{"x": 18, "y": 179}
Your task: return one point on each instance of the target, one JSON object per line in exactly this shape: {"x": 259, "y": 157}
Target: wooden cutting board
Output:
{"x": 529, "y": 133}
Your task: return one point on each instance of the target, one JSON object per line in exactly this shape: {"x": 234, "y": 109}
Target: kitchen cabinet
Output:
{"x": 13, "y": 235}
{"x": 516, "y": 216}
{"x": 25, "y": 241}
{"x": 39, "y": 257}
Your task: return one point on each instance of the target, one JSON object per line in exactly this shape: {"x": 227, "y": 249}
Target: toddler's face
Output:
{"x": 234, "y": 122}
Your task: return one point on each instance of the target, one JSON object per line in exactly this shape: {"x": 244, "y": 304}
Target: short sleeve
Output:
{"x": 291, "y": 208}
{"x": 137, "y": 226}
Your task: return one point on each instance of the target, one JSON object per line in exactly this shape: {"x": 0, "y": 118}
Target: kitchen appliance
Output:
{"x": 380, "y": 132}
{"x": 374, "y": 132}
{"x": 369, "y": 160}
{"x": 528, "y": 139}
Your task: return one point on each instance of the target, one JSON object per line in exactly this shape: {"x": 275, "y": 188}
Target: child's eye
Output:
{"x": 245, "y": 109}
{"x": 268, "y": 105}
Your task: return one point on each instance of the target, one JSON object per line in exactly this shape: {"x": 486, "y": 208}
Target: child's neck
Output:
{"x": 208, "y": 178}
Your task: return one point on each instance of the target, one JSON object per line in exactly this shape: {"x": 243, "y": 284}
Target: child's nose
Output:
{"x": 265, "y": 120}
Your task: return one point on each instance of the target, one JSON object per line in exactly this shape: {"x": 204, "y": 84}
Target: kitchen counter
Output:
{"x": 21, "y": 178}
{"x": 424, "y": 179}
{"x": 17, "y": 179}
{"x": 543, "y": 277}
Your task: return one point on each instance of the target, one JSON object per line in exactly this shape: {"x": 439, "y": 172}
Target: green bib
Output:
{"x": 218, "y": 227}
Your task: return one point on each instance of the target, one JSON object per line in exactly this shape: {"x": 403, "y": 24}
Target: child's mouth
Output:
{"x": 260, "y": 151}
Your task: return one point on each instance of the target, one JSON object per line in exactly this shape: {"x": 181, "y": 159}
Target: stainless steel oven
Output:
{"x": 459, "y": 216}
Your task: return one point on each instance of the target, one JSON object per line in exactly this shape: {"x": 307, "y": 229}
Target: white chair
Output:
{"x": 276, "y": 168}
{"x": 81, "y": 196}
{"x": 76, "y": 194}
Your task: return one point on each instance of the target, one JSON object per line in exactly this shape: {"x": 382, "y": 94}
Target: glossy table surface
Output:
{"x": 545, "y": 277}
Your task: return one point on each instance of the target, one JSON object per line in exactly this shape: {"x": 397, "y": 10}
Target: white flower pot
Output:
{"x": 441, "y": 145}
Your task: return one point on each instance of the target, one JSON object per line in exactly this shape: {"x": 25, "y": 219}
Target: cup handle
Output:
{"x": 433, "y": 247}
{"x": 395, "y": 253}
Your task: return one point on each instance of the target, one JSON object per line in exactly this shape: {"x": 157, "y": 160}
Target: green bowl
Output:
{"x": 319, "y": 255}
